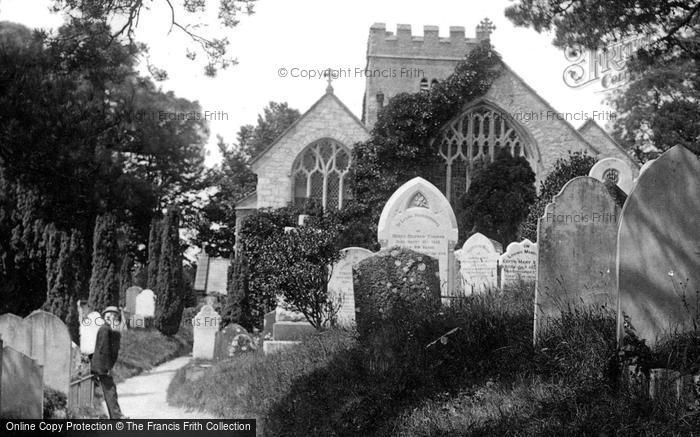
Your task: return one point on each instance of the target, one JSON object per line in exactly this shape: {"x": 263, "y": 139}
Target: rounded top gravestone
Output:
{"x": 145, "y": 303}
{"x": 615, "y": 170}
{"x": 519, "y": 263}
{"x": 576, "y": 240}
{"x": 419, "y": 217}
{"x": 205, "y": 325}
{"x": 478, "y": 261}
{"x": 658, "y": 262}
{"x": 340, "y": 284}
{"x": 131, "y": 294}
{"x": 51, "y": 348}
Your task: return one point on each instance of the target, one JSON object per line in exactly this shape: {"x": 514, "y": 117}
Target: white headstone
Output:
{"x": 88, "y": 332}
{"x": 205, "y": 326}
{"x": 519, "y": 263}
{"x": 478, "y": 260}
{"x": 146, "y": 303}
{"x": 616, "y": 170}
{"x": 340, "y": 284}
{"x": 419, "y": 217}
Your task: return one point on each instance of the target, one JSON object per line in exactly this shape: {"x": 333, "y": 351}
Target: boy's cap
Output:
{"x": 110, "y": 309}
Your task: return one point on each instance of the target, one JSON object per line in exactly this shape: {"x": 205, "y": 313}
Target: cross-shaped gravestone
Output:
{"x": 485, "y": 28}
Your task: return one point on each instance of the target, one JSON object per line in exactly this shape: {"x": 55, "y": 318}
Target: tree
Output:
{"x": 154, "y": 246}
{"x": 169, "y": 288}
{"x": 665, "y": 74}
{"x": 234, "y": 179}
{"x": 127, "y": 13}
{"x": 499, "y": 198}
{"x": 236, "y": 292}
{"x": 577, "y": 164}
{"x": 104, "y": 281}
{"x": 304, "y": 258}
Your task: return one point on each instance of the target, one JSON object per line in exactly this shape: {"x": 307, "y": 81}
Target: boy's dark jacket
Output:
{"x": 106, "y": 350}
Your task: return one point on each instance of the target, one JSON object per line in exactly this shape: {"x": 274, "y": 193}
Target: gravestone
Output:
{"x": 212, "y": 274}
{"x": 577, "y": 244}
{"x": 145, "y": 303}
{"x": 131, "y": 294}
{"x": 419, "y": 217}
{"x": 478, "y": 264}
{"x": 615, "y": 170}
{"x": 519, "y": 263}
{"x": 340, "y": 284}
{"x": 51, "y": 347}
{"x": 268, "y": 321}
{"x": 88, "y": 332}
{"x": 16, "y": 333}
{"x": 205, "y": 326}
{"x": 658, "y": 260}
{"x": 231, "y": 340}
{"x": 21, "y": 386}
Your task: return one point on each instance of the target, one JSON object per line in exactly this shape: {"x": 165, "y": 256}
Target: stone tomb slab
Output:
{"x": 658, "y": 258}
{"x": 519, "y": 263}
{"x": 340, "y": 284}
{"x": 614, "y": 170}
{"x": 478, "y": 261}
{"x": 21, "y": 386}
{"x": 205, "y": 325}
{"x": 577, "y": 244}
{"x": 88, "y": 332}
{"x": 419, "y": 217}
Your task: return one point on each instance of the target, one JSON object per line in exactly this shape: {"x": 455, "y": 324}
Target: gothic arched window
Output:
{"x": 476, "y": 135}
{"x": 319, "y": 173}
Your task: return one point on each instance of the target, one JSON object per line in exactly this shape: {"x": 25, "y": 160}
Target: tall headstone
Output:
{"x": 16, "y": 333}
{"x": 51, "y": 346}
{"x": 614, "y": 170}
{"x": 21, "y": 386}
{"x": 658, "y": 260}
{"x": 340, "y": 284}
{"x": 519, "y": 263}
{"x": 145, "y": 303}
{"x": 131, "y": 294}
{"x": 577, "y": 245}
{"x": 205, "y": 326}
{"x": 478, "y": 264}
{"x": 419, "y": 217}
{"x": 88, "y": 332}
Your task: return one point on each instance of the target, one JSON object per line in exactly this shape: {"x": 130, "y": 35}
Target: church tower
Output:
{"x": 402, "y": 62}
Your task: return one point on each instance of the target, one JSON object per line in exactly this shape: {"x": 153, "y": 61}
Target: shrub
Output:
{"x": 55, "y": 404}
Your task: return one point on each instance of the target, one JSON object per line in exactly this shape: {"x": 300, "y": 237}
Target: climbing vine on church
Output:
{"x": 400, "y": 145}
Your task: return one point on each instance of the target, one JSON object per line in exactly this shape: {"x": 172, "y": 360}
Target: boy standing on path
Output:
{"x": 104, "y": 358}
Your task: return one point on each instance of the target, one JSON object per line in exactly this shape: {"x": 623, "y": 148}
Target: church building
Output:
{"x": 312, "y": 157}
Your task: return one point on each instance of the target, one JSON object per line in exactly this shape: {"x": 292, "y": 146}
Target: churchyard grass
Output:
{"x": 486, "y": 378}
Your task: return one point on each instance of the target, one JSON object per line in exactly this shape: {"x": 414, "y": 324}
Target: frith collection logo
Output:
{"x": 607, "y": 65}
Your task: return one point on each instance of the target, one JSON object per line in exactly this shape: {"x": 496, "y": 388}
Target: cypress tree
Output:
{"x": 169, "y": 298}
{"x": 154, "y": 243}
{"x": 104, "y": 280}
{"x": 236, "y": 291}
{"x": 125, "y": 279}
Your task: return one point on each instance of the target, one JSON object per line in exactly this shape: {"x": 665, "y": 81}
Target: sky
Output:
{"x": 318, "y": 34}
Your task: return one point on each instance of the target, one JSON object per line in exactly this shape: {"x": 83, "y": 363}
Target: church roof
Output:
{"x": 249, "y": 201}
{"x": 328, "y": 95}
{"x": 590, "y": 124}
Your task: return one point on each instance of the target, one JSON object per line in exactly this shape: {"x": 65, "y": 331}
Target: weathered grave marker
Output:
{"x": 88, "y": 332}
{"x": 233, "y": 338}
{"x": 576, "y": 240}
{"x": 205, "y": 325}
{"x": 340, "y": 284}
{"x": 478, "y": 261}
{"x": 614, "y": 170}
{"x": 419, "y": 217}
{"x": 21, "y": 386}
{"x": 16, "y": 333}
{"x": 51, "y": 347}
{"x": 519, "y": 263}
{"x": 658, "y": 258}
{"x": 131, "y": 294}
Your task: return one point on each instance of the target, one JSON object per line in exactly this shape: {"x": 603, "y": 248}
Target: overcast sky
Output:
{"x": 318, "y": 34}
